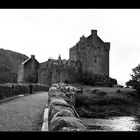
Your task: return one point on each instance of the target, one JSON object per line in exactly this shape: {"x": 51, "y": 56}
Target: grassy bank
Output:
{"x": 105, "y": 101}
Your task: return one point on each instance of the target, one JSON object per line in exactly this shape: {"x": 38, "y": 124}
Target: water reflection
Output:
{"x": 113, "y": 124}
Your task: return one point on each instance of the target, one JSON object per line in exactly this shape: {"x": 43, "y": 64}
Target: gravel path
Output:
{"x": 23, "y": 114}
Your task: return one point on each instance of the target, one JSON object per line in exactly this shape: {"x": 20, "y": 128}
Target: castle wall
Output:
{"x": 61, "y": 72}
{"x": 45, "y": 73}
{"x": 73, "y": 53}
{"x": 21, "y": 74}
{"x": 45, "y": 76}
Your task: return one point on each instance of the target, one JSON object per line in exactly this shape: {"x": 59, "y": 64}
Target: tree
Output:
{"x": 136, "y": 73}
{"x": 134, "y": 82}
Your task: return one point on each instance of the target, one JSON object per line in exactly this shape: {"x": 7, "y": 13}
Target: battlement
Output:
{"x": 56, "y": 63}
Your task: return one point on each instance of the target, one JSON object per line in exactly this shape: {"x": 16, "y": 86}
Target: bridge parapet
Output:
{"x": 60, "y": 111}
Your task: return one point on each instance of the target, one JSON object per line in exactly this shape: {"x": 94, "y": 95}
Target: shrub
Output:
{"x": 118, "y": 91}
{"x": 67, "y": 82}
{"x": 82, "y": 100}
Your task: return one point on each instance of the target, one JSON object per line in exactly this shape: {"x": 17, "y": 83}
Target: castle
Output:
{"x": 90, "y": 55}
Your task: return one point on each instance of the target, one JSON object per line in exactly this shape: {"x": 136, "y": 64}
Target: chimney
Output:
{"x": 33, "y": 56}
{"x": 94, "y": 32}
{"x": 82, "y": 37}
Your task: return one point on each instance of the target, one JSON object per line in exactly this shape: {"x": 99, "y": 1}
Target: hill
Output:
{"x": 9, "y": 64}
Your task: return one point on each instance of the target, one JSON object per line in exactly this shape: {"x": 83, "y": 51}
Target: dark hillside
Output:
{"x": 9, "y": 64}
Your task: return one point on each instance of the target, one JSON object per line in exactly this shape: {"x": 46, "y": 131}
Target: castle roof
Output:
{"x": 27, "y": 60}
{"x": 98, "y": 38}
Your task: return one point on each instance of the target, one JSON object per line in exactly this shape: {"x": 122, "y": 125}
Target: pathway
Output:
{"x": 23, "y": 114}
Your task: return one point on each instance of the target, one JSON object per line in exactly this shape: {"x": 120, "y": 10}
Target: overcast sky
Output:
{"x": 49, "y": 32}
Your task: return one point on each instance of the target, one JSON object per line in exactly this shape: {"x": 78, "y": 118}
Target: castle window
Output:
{"x": 95, "y": 59}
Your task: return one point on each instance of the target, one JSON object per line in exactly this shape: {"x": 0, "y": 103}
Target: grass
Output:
{"x": 106, "y": 101}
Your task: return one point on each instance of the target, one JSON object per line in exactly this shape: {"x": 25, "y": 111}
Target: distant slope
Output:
{"x": 9, "y": 64}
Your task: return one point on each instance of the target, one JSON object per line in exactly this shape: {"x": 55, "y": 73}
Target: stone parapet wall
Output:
{"x": 61, "y": 114}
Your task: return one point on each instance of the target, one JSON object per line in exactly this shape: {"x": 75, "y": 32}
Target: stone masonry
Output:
{"x": 28, "y": 71}
{"x": 93, "y": 53}
{"x": 55, "y": 71}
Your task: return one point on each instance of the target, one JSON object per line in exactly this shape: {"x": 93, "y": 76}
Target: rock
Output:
{"x": 71, "y": 89}
{"x": 59, "y": 95}
{"x": 52, "y": 89}
{"x": 55, "y": 85}
{"x": 56, "y": 93}
{"x": 69, "y": 129}
{"x": 57, "y": 100}
{"x": 59, "y": 123}
{"x": 71, "y": 97}
{"x": 64, "y": 113}
{"x": 68, "y": 88}
{"x": 53, "y": 109}
{"x": 62, "y": 84}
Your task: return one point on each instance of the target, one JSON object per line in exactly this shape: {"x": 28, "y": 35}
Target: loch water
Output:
{"x": 123, "y": 123}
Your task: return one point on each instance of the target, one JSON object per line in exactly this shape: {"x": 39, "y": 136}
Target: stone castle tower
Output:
{"x": 93, "y": 53}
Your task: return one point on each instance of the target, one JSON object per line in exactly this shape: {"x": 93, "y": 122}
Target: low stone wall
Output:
{"x": 60, "y": 114}
{"x": 13, "y": 89}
